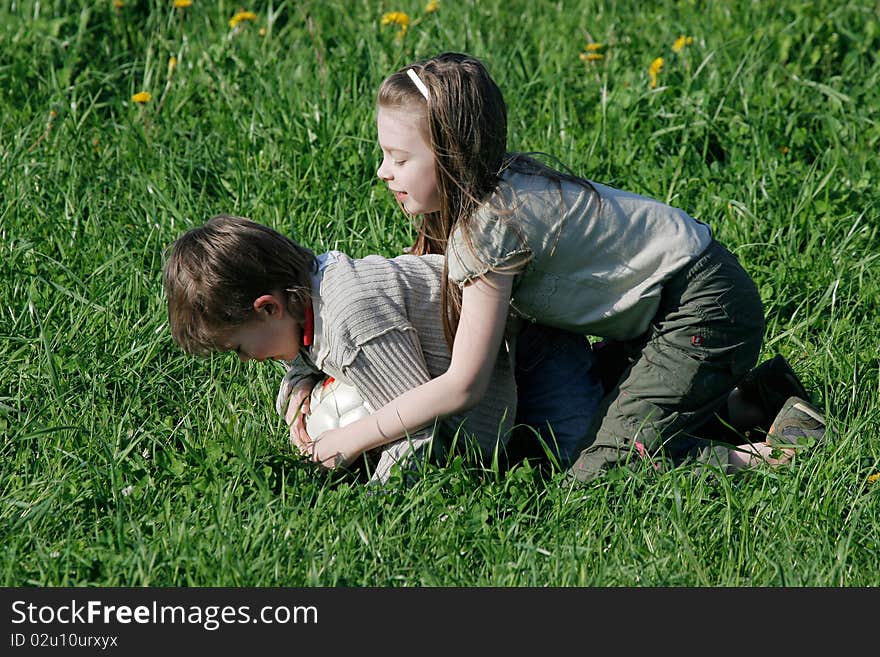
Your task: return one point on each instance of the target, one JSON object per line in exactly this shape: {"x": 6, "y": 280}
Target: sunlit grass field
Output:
{"x": 125, "y": 462}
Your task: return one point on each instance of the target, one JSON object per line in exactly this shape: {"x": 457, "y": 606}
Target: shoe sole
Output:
{"x": 801, "y": 433}
{"x": 807, "y": 410}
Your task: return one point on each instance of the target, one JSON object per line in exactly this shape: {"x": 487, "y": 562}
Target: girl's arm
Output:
{"x": 485, "y": 305}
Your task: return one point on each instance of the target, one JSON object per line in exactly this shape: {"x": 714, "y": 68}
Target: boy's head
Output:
{"x": 215, "y": 274}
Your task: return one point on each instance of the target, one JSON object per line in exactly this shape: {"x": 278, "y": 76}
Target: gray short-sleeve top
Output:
{"x": 585, "y": 261}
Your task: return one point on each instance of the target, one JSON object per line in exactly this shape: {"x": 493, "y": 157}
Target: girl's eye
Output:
{"x": 399, "y": 162}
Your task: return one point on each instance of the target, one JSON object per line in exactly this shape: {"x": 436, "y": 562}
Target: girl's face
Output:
{"x": 407, "y": 160}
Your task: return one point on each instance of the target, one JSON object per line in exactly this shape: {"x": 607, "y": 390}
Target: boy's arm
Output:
{"x": 299, "y": 370}
{"x": 292, "y": 402}
{"x": 485, "y": 307}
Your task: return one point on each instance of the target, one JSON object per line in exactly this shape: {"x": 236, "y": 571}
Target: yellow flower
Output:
{"x": 118, "y": 4}
{"x": 396, "y": 18}
{"x": 172, "y": 64}
{"x": 591, "y": 56}
{"x": 593, "y": 47}
{"x": 183, "y": 4}
{"x": 681, "y": 42}
{"x": 432, "y": 6}
{"x": 241, "y": 17}
{"x": 142, "y": 97}
{"x": 874, "y": 477}
{"x": 654, "y": 70}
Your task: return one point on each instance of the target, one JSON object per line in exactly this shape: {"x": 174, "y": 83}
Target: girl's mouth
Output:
{"x": 400, "y": 196}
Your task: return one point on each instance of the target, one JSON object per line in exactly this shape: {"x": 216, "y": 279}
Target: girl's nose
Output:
{"x": 382, "y": 171}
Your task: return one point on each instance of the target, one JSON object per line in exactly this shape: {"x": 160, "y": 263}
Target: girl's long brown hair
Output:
{"x": 466, "y": 126}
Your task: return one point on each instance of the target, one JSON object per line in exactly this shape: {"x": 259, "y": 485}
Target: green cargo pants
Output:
{"x": 705, "y": 336}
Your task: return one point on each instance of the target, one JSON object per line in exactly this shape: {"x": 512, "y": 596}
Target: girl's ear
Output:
{"x": 268, "y": 305}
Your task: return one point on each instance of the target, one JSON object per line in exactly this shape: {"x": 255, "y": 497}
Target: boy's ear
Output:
{"x": 268, "y": 305}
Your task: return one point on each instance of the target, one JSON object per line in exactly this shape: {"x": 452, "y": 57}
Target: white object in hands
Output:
{"x": 334, "y": 404}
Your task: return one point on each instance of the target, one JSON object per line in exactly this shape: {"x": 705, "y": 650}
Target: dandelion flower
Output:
{"x": 592, "y": 53}
{"x": 432, "y": 6}
{"x": 118, "y": 4}
{"x": 681, "y": 42}
{"x": 172, "y": 64}
{"x": 142, "y": 97}
{"x": 874, "y": 477}
{"x": 654, "y": 70}
{"x": 240, "y": 17}
{"x": 183, "y": 4}
{"x": 396, "y": 18}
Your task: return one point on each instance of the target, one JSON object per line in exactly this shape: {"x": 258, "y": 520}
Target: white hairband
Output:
{"x": 411, "y": 72}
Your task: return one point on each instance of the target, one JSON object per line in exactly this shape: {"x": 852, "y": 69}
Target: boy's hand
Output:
{"x": 298, "y": 408}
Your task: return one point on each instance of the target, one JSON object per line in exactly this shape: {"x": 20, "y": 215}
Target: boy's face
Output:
{"x": 407, "y": 160}
{"x": 272, "y": 334}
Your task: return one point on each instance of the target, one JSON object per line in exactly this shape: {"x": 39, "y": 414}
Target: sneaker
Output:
{"x": 771, "y": 384}
{"x": 798, "y": 423}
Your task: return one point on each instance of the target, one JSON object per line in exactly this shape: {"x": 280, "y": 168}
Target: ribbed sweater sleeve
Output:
{"x": 387, "y": 366}
{"x": 382, "y": 332}
{"x": 382, "y": 369}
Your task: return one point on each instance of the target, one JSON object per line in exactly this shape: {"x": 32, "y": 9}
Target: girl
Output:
{"x": 526, "y": 242}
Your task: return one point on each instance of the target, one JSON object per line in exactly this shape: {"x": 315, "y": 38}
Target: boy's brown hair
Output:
{"x": 213, "y": 274}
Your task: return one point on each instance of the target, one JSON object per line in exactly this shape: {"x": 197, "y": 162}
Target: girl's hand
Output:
{"x": 298, "y": 408}
{"x": 326, "y": 450}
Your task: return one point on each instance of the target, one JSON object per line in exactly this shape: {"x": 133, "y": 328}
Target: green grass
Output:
{"x": 125, "y": 462}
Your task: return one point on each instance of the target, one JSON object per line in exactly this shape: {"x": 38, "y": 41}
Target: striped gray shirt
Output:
{"x": 378, "y": 326}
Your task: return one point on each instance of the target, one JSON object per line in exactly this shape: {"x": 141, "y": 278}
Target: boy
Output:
{"x": 236, "y": 285}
